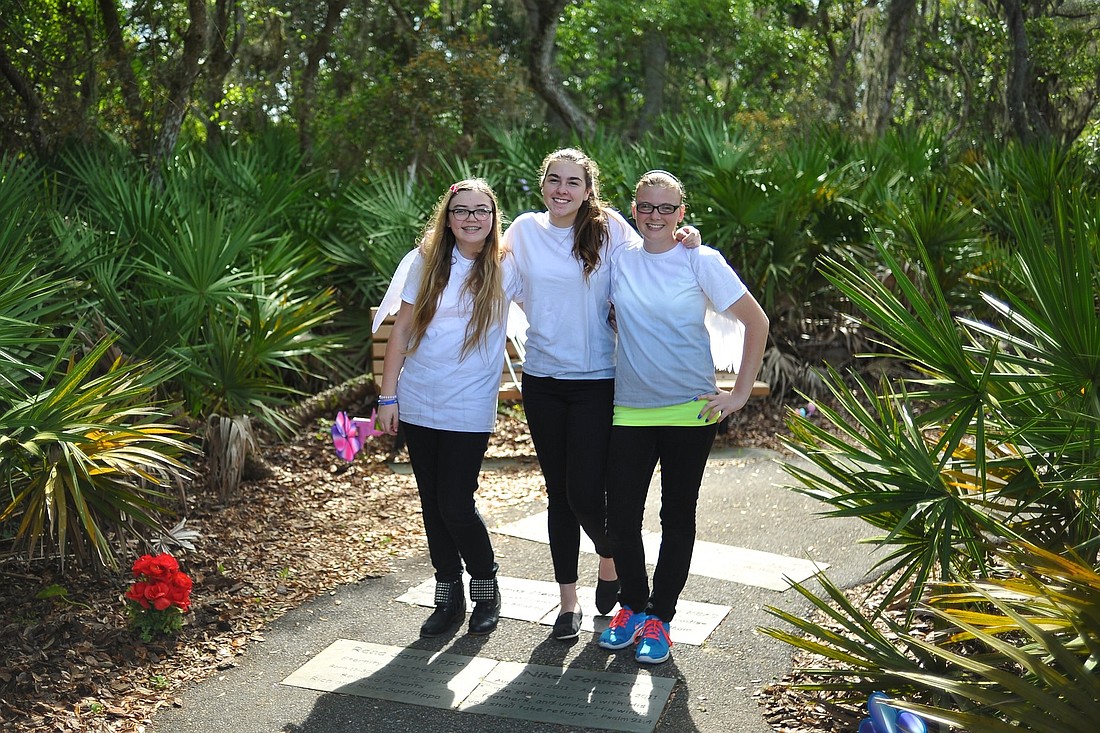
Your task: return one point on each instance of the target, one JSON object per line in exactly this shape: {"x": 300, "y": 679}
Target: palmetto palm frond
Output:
{"x": 86, "y": 463}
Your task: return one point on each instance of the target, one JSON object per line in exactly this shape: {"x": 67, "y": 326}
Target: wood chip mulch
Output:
{"x": 305, "y": 524}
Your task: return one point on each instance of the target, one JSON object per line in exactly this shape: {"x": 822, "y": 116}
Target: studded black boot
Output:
{"x": 450, "y": 607}
{"x": 485, "y": 594}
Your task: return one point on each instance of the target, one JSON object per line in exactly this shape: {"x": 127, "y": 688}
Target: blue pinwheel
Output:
{"x": 886, "y": 719}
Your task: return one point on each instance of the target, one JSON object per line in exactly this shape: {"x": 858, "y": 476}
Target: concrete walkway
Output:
{"x": 712, "y": 685}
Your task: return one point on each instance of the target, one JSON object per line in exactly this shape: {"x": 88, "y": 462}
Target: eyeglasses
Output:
{"x": 644, "y": 207}
{"x": 464, "y": 214}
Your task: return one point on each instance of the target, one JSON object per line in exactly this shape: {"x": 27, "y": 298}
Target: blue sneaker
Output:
{"x": 624, "y": 629}
{"x": 655, "y": 644}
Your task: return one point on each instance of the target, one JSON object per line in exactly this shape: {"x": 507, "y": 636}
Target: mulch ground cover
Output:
{"x": 303, "y": 523}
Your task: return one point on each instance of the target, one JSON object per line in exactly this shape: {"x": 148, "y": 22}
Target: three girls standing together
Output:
{"x": 598, "y": 430}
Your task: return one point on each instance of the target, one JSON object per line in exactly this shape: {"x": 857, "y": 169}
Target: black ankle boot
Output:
{"x": 450, "y": 607}
{"x": 485, "y": 593}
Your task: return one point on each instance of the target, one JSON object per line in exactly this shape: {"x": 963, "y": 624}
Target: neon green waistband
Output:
{"x": 685, "y": 414}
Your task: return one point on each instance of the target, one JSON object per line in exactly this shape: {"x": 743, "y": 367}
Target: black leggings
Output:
{"x": 635, "y": 451}
{"x": 446, "y": 464}
{"x": 570, "y": 423}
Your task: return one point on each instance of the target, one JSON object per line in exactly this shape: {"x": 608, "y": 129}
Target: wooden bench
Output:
{"x": 726, "y": 381}
{"x": 510, "y": 377}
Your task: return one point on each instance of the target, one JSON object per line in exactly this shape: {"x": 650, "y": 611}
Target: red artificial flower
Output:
{"x": 179, "y": 591}
{"x": 161, "y": 567}
{"x": 137, "y": 594}
{"x": 156, "y": 593}
{"x": 160, "y": 583}
{"x": 159, "y": 596}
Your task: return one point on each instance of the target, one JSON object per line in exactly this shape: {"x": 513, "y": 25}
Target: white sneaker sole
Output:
{"x": 610, "y": 645}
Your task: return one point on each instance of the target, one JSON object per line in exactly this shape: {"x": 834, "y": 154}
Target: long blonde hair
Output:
{"x": 484, "y": 282}
{"x": 590, "y": 229}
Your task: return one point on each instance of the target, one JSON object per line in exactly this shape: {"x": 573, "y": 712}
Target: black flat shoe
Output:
{"x": 568, "y": 626}
{"x": 607, "y": 595}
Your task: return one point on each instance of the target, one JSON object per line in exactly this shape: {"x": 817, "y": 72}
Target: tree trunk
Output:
{"x": 542, "y": 27}
{"x": 307, "y": 92}
{"x": 181, "y": 82}
{"x": 1019, "y": 69}
{"x": 656, "y": 76}
{"x": 31, "y": 101}
{"x": 228, "y": 28}
{"x": 899, "y": 22}
{"x": 840, "y": 93}
{"x": 123, "y": 69}
{"x": 882, "y": 57}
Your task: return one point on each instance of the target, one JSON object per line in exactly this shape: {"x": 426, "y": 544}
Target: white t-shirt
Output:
{"x": 568, "y": 336}
{"x": 440, "y": 388}
{"x": 663, "y": 353}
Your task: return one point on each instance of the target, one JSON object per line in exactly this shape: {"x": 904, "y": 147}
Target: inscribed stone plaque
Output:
{"x": 709, "y": 559}
{"x": 694, "y": 623}
{"x": 582, "y": 698}
{"x": 751, "y": 567}
{"x": 534, "y": 528}
{"x": 571, "y": 697}
{"x": 522, "y": 599}
{"x": 536, "y": 601}
{"x": 419, "y": 677}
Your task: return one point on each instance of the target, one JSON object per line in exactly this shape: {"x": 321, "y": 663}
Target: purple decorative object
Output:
{"x": 886, "y": 719}
{"x": 345, "y": 437}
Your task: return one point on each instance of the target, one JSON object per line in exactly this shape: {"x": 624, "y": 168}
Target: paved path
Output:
{"x": 742, "y": 504}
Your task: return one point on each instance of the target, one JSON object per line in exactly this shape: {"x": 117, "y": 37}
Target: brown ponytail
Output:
{"x": 591, "y": 228}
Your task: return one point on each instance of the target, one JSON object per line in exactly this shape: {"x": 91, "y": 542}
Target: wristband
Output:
{"x": 386, "y": 402}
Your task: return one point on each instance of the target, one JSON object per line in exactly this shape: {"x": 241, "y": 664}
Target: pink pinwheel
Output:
{"x": 345, "y": 437}
{"x": 349, "y": 433}
{"x": 366, "y": 426}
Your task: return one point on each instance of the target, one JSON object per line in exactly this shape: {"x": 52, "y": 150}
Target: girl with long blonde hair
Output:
{"x": 439, "y": 386}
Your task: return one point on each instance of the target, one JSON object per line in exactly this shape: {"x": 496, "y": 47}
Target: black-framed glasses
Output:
{"x": 463, "y": 214}
{"x": 644, "y": 207}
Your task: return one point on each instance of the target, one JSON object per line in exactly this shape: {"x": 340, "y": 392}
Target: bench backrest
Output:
{"x": 509, "y": 378}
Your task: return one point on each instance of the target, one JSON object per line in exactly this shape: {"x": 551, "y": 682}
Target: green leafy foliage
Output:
{"x": 84, "y": 462}
{"x": 979, "y": 464}
{"x": 217, "y": 271}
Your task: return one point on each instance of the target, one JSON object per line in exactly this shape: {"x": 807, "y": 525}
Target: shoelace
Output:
{"x": 654, "y": 629}
{"x": 620, "y": 619}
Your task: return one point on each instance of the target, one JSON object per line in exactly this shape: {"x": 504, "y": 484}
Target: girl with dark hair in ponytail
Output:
{"x": 562, "y": 257}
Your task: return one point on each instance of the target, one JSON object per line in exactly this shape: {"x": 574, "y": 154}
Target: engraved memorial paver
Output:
{"x": 751, "y": 567}
{"x": 536, "y": 601}
{"x": 583, "y": 698}
{"x": 521, "y": 599}
{"x": 419, "y": 677}
{"x": 571, "y": 697}
{"x": 709, "y": 559}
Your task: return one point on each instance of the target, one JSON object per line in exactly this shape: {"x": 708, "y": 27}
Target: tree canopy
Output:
{"x": 363, "y": 82}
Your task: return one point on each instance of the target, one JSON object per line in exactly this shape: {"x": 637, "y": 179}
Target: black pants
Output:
{"x": 570, "y": 422}
{"x": 635, "y": 451}
{"x": 446, "y": 465}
